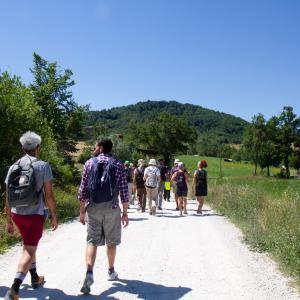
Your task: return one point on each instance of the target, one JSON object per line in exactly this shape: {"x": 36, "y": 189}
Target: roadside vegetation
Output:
{"x": 267, "y": 209}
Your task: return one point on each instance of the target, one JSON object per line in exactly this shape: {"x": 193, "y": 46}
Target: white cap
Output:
{"x": 176, "y": 161}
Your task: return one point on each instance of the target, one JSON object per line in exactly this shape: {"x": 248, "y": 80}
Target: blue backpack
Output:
{"x": 102, "y": 185}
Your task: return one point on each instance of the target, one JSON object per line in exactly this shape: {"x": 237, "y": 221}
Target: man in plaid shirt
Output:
{"x": 103, "y": 219}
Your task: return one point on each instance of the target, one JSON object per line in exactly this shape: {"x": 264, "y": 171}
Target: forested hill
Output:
{"x": 209, "y": 123}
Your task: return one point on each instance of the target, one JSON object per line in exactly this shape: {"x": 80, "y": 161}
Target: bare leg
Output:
{"x": 90, "y": 256}
{"x": 201, "y": 202}
{"x": 111, "y": 251}
{"x": 180, "y": 202}
{"x": 184, "y": 205}
{"x": 28, "y": 256}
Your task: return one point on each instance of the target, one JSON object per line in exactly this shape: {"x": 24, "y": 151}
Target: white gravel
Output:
{"x": 161, "y": 257}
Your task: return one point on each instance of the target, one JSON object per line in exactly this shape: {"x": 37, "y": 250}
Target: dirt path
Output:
{"x": 161, "y": 257}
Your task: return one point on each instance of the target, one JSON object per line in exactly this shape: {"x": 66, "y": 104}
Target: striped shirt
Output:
{"x": 121, "y": 179}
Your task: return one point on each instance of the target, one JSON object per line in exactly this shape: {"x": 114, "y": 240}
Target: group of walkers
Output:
{"x": 151, "y": 184}
{"x": 105, "y": 182}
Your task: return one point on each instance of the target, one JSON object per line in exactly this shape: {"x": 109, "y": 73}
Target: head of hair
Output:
{"x": 30, "y": 140}
{"x": 202, "y": 164}
{"x": 106, "y": 145}
{"x": 141, "y": 162}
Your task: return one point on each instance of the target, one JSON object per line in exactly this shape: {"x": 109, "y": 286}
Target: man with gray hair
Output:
{"x": 28, "y": 193}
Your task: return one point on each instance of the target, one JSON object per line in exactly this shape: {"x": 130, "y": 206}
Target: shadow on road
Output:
{"x": 141, "y": 289}
{"x": 207, "y": 215}
{"x": 137, "y": 219}
{"x": 145, "y": 290}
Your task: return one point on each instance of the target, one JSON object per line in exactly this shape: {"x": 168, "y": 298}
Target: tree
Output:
{"x": 165, "y": 135}
{"x": 270, "y": 152}
{"x": 288, "y": 134}
{"x": 19, "y": 113}
{"x": 254, "y": 137}
{"x": 51, "y": 91}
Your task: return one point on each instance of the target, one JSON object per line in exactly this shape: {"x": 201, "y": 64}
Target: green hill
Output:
{"x": 209, "y": 123}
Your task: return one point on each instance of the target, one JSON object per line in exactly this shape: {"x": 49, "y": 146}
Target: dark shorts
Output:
{"x": 30, "y": 227}
{"x": 181, "y": 193}
{"x": 201, "y": 191}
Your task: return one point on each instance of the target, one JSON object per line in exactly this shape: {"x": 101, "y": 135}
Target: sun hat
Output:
{"x": 181, "y": 166}
{"x": 176, "y": 161}
{"x": 152, "y": 162}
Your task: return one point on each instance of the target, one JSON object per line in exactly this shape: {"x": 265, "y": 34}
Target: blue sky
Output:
{"x": 236, "y": 56}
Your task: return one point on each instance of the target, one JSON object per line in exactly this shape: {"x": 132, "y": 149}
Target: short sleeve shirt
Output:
{"x": 43, "y": 173}
{"x": 152, "y": 169}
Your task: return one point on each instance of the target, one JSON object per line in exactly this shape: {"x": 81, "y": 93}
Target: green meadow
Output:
{"x": 266, "y": 209}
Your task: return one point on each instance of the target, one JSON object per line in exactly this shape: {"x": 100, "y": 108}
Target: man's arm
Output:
{"x": 50, "y": 203}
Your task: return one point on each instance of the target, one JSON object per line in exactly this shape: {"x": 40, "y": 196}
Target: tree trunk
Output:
{"x": 268, "y": 168}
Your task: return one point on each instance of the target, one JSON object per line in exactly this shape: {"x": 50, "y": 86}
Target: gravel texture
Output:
{"x": 161, "y": 257}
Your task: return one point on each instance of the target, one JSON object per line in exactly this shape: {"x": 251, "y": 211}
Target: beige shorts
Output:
{"x": 103, "y": 224}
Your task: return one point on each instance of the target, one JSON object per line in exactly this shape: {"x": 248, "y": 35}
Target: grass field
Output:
{"x": 267, "y": 209}
{"x": 215, "y": 166}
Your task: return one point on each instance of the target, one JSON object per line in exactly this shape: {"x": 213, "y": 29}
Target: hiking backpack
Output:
{"x": 102, "y": 181}
{"x": 151, "y": 180}
{"x": 180, "y": 181}
{"x": 22, "y": 189}
{"x": 201, "y": 177}
{"x": 140, "y": 178}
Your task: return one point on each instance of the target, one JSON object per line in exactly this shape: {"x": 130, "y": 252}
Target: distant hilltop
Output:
{"x": 209, "y": 123}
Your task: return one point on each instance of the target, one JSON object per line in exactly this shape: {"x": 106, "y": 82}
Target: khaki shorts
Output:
{"x": 103, "y": 224}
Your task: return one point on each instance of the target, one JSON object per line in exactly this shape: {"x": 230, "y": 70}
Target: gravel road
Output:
{"x": 161, "y": 257}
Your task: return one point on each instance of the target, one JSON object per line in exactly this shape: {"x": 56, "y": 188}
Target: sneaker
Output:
{"x": 153, "y": 210}
{"x": 38, "y": 282}
{"x": 86, "y": 287}
{"x": 11, "y": 295}
{"x": 112, "y": 276}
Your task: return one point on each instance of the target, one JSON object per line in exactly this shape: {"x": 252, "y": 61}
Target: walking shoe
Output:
{"x": 153, "y": 210}
{"x": 185, "y": 212}
{"x": 38, "y": 282}
{"x": 86, "y": 287}
{"x": 199, "y": 211}
{"x": 112, "y": 276}
{"x": 159, "y": 208}
{"x": 177, "y": 208}
{"x": 11, "y": 295}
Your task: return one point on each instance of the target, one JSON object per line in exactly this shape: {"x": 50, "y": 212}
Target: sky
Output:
{"x": 240, "y": 57}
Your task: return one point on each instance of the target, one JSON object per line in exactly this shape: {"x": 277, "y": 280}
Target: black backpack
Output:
{"x": 102, "y": 185}
{"x": 22, "y": 189}
{"x": 140, "y": 178}
{"x": 180, "y": 181}
{"x": 201, "y": 177}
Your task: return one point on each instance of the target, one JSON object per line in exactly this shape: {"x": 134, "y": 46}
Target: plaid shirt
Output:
{"x": 121, "y": 179}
